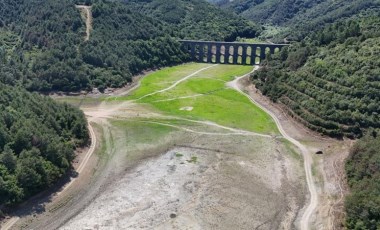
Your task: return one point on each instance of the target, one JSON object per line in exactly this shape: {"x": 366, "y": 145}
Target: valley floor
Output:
{"x": 186, "y": 151}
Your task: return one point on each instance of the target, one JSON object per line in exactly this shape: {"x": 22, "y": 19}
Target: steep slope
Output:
{"x": 330, "y": 80}
{"x": 363, "y": 172}
{"x": 196, "y": 19}
{"x": 298, "y": 16}
{"x": 42, "y": 45}
{"x": 37, "y": 142}
{"x": 282, "y": 12}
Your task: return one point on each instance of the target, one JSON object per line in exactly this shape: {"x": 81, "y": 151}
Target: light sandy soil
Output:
{"x": 228, "y": 187}
{"x": 328, "y": 169}
{"x": 235, "y": 181}
{"x": 306, "y": 154}
{"x": 55, "y": 197}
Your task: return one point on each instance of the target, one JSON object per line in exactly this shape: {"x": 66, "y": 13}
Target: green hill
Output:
{"x": 37, "y": 142}
{"x": 43, "y": 47}
{"x": 196, "y": 19}
{"x": 296, "y": 17}
{"x": 329, "y": 81}
{"x": 363, "y": 173}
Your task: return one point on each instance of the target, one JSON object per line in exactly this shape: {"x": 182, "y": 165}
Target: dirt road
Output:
{"x": 85, "y": 159}
{"x": 308, "y": 161}
{"x": 12, "y": 221}
{"x": 206, "y": 194}
{"x": 176, "y": 83}
{"x": 88, "y": 15}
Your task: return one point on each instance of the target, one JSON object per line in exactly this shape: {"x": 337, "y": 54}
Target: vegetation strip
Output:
{"x": 308, "y": 161}
{"x": 219, "y": 103}
{"x": 176, "y": 83}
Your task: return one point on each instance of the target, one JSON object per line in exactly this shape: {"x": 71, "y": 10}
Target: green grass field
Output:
{"x": 205, "y": 95}
{"x": 140, "y": 132}
{"x": 164, "y": 78}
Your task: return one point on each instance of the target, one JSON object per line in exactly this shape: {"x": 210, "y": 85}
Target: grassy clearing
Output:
{"x": 163, "y": 78}
{"x": 217, "y": 103}
{"x": 227, "y": 108}
{"x": 225, "y": 72}
{"x": 139, "y": 132}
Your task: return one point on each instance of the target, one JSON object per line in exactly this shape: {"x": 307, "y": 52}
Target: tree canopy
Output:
{"x": 330, "y": 80}
{"x": 37, "y": 141}
{"x": 42, "y": 43}
{"x": 363, "y": 172}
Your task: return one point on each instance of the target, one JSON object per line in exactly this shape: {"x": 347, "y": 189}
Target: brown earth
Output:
{"x": 328, "y": 169}
{"x": 190, "y": 180}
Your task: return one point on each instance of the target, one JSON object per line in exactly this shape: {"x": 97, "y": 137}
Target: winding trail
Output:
{"x": 85, "y": 160}
{"x": 12, "y": 221}
{"x": 86, "y": 10}
{"x": 305, "y": 219}
{"x": 308, "y": 161}
{"x": 178, "y": 98}
{"x": 236, "y": 132}
{"x": 176, "y": 83}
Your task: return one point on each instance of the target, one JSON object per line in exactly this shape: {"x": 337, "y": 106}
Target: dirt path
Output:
{"x": 88, "y": 15}
{"x": 176, "y": 83}
{"x": 234, "y": 132}
{"x": 308, "y": 161}
{"x": 12, "y": 221}
{"x": 239, "y": 181}
{"x": 113, "y": 111}
{"x": 83, "y": 164}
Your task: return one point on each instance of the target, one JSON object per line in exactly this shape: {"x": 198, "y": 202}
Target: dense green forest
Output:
{"x": 37, "y": 142}
{"x": 293, "y": 19}
{"x": 42, "y": 48}
{"x": 330, "y": 79}
{"x": 42, "y": 43}
{"x": 363, "y": 172}
{"x": 196, "y": 19}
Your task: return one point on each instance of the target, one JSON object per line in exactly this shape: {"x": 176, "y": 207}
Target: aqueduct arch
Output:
{"x": 229, "y": 52}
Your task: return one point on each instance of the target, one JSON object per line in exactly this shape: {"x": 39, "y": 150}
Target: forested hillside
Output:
{"x": 196, "y": 19}
{"x": 330, "y": 81}
{"x": 42, "y": 48}
{"x": 37, "y": 142}
{"x": 294, "y": 18}
{"x": 363, "y": 172}
{"x": 42, "y": 42}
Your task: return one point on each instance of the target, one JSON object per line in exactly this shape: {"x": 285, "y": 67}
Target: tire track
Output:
{"x": 308, "y": 161}
{"x": 12, "y": 221}
{"x": 176, "y": 83}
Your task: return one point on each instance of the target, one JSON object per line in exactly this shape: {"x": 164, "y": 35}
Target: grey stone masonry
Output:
{"x": 229, "y": 52}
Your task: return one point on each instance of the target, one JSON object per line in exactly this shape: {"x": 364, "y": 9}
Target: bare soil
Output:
{"x": 209, "y": 184}
{"x": 87, "y": 15}
{"x": 328, "y": 168}
{"x": 195, "y": 180}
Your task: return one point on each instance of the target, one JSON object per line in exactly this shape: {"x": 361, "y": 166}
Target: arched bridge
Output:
{"x": 229, "y": 52}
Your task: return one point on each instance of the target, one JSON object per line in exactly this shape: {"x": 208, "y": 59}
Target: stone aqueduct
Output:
{"x": 229, "y": 52}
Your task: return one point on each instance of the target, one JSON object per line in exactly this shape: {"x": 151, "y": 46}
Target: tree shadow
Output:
{"x": 37, "y": 203}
